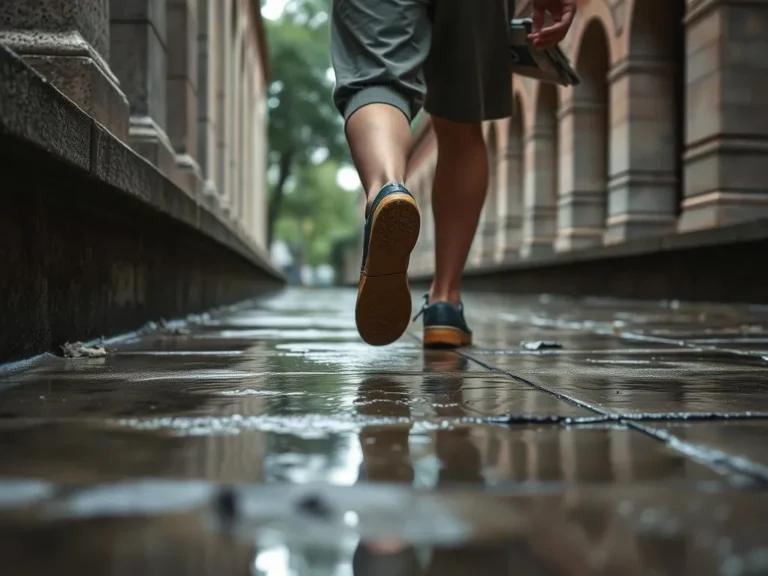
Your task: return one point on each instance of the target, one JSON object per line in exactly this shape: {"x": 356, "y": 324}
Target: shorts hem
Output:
{"x": 377, "y": 95}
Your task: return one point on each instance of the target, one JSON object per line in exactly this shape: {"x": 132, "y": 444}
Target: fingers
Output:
{"x": 553, "y": 34}
{"x": 538, "y": 20}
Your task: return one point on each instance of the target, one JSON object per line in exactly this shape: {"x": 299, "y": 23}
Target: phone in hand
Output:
{"x": 550, "y": 65}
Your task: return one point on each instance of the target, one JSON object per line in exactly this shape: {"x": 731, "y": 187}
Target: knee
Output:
{"x": 458, "y": 135}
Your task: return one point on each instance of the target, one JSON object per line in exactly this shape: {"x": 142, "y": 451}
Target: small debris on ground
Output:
{"x": 80, "y": 350}
{"x": 540, "y": 345}
{"x": 178, "y": 331}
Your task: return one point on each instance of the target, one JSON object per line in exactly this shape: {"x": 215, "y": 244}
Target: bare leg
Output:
{"x": 379, "y": 137}
{"x": 461, "y": 181}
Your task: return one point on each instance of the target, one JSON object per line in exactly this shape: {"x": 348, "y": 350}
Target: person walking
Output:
{"x": 451, "y": 57}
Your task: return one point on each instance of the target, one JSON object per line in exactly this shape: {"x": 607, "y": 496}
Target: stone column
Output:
{"x": 427, "y": 220}
{"x": 540, "y": 192}
{"x": 139, "y": 60}
{"x": 489, "y": 233}
{"x": 236, "y": 109}
{"x": 582, "y": 187}
{"x": 182, "y": 32}
{"x": 642, "y": 190}
{"x": 224, "y": 109}
{"x": 514, "y": 193}
{"x": 726, "y": 159}
{"x": 476, "y": 250}
{"x": 69, "y": 43}
{"x": 260, "y": 160}
{"x": 248, "y": 160}
{"x": 207, "y": 68}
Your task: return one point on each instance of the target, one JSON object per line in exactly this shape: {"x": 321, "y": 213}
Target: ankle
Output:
{"x": 452, "y": 295}
{"x": 373, "y": 191}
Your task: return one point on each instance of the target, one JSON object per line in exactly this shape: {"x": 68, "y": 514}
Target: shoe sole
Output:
{"x": 383, "y": 309}
{"x": 446, "y": 337}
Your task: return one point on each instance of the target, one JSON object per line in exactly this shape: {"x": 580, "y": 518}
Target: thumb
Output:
{"x": 538, "y": 20}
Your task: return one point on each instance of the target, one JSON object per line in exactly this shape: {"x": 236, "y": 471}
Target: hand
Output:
{"x": 562, "y": 13}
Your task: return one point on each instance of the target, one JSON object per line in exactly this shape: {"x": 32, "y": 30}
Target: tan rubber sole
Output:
{"x": 446, "y": 337}
{"x": 383, "y": 309}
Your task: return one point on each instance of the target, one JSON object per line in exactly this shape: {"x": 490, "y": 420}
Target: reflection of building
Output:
{"x": 194, "y": 77}
{"x": 667, "y": 133}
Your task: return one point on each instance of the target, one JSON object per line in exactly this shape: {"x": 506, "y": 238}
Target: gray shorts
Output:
{"x": 449, "y": 56}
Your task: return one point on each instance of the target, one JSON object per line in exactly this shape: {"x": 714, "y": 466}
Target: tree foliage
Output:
{"x": 317, "y": 214}
{"x": 304, "y": 126}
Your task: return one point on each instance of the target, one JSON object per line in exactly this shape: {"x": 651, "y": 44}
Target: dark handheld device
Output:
{"x": 550, "y": 65}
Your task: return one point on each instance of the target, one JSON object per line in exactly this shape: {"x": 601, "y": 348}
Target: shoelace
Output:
{"x": 423, "y": 308}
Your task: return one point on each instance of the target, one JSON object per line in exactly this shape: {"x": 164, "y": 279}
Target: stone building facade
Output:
{"x": 668, "y": 133}
{"x": 182, "y": 82}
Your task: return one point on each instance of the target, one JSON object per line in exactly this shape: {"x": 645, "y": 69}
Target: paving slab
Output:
{"x": 267, "y": 439}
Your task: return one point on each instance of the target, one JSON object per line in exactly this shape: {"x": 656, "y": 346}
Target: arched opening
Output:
{"x": 657, "y": 45}
{"x": 540, "y": 206}
{"x": 582, "y": 203}
{"x": 492, "y": 197}
{"x": 515, "y": 180}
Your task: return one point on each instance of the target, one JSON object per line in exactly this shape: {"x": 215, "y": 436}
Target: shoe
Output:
{"x": 383, "y": 307}
{"x": 444, "y": 325}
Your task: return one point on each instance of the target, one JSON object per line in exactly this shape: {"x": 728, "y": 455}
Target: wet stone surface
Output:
{"x": 269, "y": 440}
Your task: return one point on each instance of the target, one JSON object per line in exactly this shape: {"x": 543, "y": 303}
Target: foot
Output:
{"x": 444, "y": 325}
{"x": 384, "y": 298}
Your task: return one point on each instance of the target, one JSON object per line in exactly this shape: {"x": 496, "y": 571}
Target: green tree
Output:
{"x": 317, "y": 214}
{"x": 304, "y": 125}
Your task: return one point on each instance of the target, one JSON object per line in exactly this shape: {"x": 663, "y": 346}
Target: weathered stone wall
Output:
{"x": 134, "y": 180}
{"x": 183, "y": 82}
{"x": 667, "y": 133}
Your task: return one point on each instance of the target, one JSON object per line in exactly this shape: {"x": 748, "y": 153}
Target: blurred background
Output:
{"x": 315, "y": 199}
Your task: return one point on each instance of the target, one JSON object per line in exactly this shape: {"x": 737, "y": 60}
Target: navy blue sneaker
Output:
{"x": 383, "y": 307}
{"x": 444, "y": 325}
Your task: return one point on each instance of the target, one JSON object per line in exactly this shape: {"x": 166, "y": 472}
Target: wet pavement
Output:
{"x": 268, "y": 440}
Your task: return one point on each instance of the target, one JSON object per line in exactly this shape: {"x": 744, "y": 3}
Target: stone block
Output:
{"x": 85, "y": 83}
{"x": 702, "y": 106}
{"x": 190, "y": 176}
{"x": 721, "y": 209}
{"x": 638, "y": 227}
{"x": 139, "y": 61}
{"x": 182, "y": 116}
{"x": 151, "y": 12}
{"x": 640, "y": 193}
{"x": 33, "y": 111}
{"x": 151, "y": 142}
{"x": 182, "y": 41}
{"x": 68, "y": 42}
{"x": 30, "y": 20}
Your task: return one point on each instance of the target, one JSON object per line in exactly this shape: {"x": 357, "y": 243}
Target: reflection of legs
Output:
{"x": 461, "y": 180}
{"x": 386, "y": 458}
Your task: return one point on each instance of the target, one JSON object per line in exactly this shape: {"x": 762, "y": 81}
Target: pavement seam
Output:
{"x": 711, "y": 457}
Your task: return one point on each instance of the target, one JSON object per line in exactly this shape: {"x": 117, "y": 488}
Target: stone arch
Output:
{"x": 584, "y": 148}
{"x": 541, "y": 175}
{"x": 515, "y": 178}
{"x": 647, "y": 123}
{"x": 594, "y": 13}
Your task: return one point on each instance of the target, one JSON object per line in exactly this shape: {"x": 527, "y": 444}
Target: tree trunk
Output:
{"x": 285, "y": 165}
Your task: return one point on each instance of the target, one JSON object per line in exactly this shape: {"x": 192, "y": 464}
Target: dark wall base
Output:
{"x": 719, "y": 265}
{"x": 79, "y": 260}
